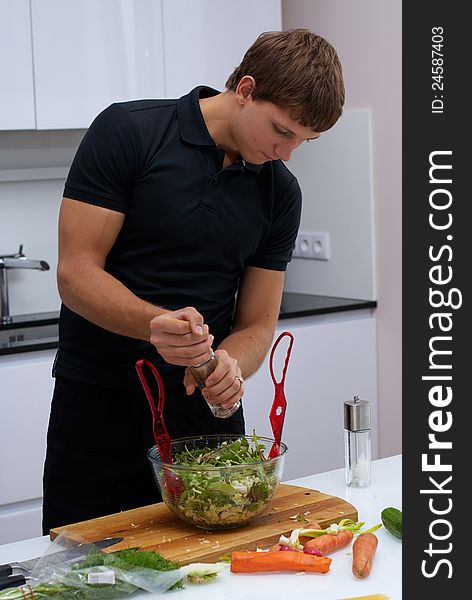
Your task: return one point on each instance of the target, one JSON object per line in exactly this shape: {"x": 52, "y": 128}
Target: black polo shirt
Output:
{"x": 190, "y": 228}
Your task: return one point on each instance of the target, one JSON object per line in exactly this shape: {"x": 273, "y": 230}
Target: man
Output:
{"x": 177, "y": 223}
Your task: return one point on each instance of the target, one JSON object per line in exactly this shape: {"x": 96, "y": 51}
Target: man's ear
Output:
{"x": 245, "y": 89}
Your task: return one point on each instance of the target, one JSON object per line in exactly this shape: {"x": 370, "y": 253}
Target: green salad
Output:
{"x": 225, "y": 486}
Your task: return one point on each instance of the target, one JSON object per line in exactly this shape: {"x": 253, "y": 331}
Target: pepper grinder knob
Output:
{"x": 356, "y": 414}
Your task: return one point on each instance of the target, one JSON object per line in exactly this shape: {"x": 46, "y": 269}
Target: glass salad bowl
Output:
{"x": 218, "y": 481}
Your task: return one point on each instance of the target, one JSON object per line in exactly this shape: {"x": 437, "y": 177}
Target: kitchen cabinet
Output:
{"x": 73, "y": 58}
{"x": 89, "y": 53}
{"x": 25, "y": 398}
{"x": 333, "y": 359}
{"x": 16, "y": 66}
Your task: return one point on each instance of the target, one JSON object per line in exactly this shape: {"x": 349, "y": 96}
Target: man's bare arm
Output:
{"x": 242, "y": 352}
{"x": 86, "y": 235}
{"x": 256, "y": 317}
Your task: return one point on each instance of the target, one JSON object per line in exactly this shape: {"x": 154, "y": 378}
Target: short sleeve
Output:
{"x": 107, "y": 161}
{"x": 275, "y": 251}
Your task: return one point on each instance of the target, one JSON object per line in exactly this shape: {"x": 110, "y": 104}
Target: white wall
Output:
{"x": 367, "y": 36}
{"x": 335, "y": 175}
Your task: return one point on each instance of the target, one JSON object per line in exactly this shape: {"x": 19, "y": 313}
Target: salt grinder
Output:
{"x": 357, "y": 442}
{"x": 200, "y": 373}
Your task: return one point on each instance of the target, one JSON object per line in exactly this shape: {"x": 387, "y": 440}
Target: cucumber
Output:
{"x": 392, "y": 521}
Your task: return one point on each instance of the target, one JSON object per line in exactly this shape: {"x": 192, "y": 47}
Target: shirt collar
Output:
{"x": 192, "y": 125}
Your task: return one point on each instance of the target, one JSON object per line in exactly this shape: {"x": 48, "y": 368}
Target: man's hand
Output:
{"x": 181, "y": 337}
{"x": 224, "y": 386}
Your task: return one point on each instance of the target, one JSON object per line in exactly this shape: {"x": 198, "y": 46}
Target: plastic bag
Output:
{"x": 69, "y": 570}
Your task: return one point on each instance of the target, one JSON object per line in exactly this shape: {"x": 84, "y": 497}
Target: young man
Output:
{"x": 177, "y": 223}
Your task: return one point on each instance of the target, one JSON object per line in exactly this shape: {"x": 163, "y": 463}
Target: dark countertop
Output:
{"x": 26, "y": 333}
{"x": 305, "y": 305}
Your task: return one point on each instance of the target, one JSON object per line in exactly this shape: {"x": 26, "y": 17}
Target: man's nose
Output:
{"x": 285, "y": 149}
{"x": 284, "y": 154}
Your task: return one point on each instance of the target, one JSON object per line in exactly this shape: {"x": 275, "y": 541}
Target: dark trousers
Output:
{"x": 97, "y": 443}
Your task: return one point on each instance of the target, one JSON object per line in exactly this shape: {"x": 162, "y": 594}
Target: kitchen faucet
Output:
{"x": 14, "y": 261}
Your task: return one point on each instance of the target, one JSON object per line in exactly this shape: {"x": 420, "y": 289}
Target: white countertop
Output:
{"x": 385, "y": 577}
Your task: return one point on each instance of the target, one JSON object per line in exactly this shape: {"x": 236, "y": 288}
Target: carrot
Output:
{"x": 301, "y": 539}
{"x": 329, "y": 542}
{"x": 363, "y": 551}
{"x": 275, "y": 548}
{"x": 260, "y": 562}
{"x": 311, "y": 525}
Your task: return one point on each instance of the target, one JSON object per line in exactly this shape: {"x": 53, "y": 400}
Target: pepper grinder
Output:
{"x": 200, "y": 373}
{"x": 357, "y": 442}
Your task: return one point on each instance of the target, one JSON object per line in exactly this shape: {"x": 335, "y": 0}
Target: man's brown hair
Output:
{"x": 296, "y": 70}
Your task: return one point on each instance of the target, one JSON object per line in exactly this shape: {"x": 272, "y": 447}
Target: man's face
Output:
{"x": 266, "y": 132}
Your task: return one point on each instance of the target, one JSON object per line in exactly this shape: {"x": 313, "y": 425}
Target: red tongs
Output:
{"x": 277, "y": 412}
{"x": 161, "y": 436}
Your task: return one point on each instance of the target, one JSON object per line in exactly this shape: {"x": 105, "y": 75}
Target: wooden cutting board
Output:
{"x": 156, "y": 528}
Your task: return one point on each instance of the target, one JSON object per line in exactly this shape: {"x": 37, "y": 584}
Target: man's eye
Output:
{"x": 280, "y": 131}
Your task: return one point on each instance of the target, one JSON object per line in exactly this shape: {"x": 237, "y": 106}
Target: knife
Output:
{"x": 26, "y": 566}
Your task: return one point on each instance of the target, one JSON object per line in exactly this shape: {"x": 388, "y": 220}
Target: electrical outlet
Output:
{"x": 313, "y": 245}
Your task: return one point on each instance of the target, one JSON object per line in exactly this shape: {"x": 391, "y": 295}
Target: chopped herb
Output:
{"x": 127, "y": 559}
{"x": 299, "y": 517}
